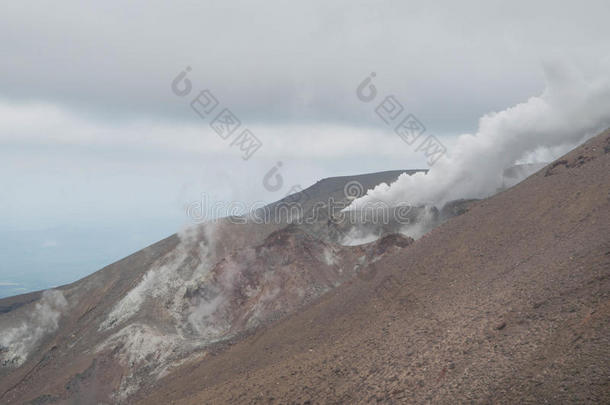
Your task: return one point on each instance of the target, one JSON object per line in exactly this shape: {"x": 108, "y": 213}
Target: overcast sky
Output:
{"x": 91, "y": 132}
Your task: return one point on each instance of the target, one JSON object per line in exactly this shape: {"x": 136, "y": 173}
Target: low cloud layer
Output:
{"x": 92, "y": 135}
{"x": 290, "y": 62}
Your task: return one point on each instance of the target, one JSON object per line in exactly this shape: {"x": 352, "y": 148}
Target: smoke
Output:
{"x": 356, "y": 237}
{"x": 425, "y": 221}
{"x": 170, "y": 276}
{"x": 209, "y": 315}
{"x": 570, "y": 110}
{"x": 149, "y": 348}
{"x": 18, "y": 342}
{"x": 204, "y": 317}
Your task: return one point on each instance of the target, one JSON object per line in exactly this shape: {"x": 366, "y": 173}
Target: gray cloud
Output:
{"x": 292, "y": 62}
{"x": 570, "y": 110}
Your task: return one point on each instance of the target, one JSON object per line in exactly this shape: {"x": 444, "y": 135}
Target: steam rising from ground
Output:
{"x": 16, "y": 343}
{"x": 570, "y": 109}
{"x": 425, "y": 221}
{"x": 169, "y": 276}
{"x": 147, "y": 349}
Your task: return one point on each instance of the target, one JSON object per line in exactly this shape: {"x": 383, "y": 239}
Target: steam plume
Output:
{"x": 570, "y": 109}
{"x": 17, "y": 343}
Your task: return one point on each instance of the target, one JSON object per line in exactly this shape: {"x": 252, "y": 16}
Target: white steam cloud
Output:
{"x": 16, "y": 343}
{"x": 168, "y": 276}
{"x": 570, "y": 110}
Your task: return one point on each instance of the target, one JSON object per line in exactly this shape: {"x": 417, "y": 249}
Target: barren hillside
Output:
{"x": 505, "y": 303}
{"x": 508, "y": 303}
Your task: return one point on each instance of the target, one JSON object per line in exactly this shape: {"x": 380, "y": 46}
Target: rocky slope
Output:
{"x": 505, "y": 303}
{"x": 508, "y": 303}
{"x": 104, "y": 337}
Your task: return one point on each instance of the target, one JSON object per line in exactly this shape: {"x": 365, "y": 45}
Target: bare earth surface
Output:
{"x": 508, "y": 303}
{"x": 102, "y": 338}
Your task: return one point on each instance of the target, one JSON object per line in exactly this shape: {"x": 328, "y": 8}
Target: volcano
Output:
{"x": 502, "y": 300}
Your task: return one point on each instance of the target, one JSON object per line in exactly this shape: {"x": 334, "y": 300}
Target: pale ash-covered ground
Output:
{"x": 508, "y": 303}
{"x": 104, "y": 337}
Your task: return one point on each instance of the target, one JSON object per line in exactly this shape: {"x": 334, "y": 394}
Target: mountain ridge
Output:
{"x": 514, "y": 309}
{"x": 448, "y": 317}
